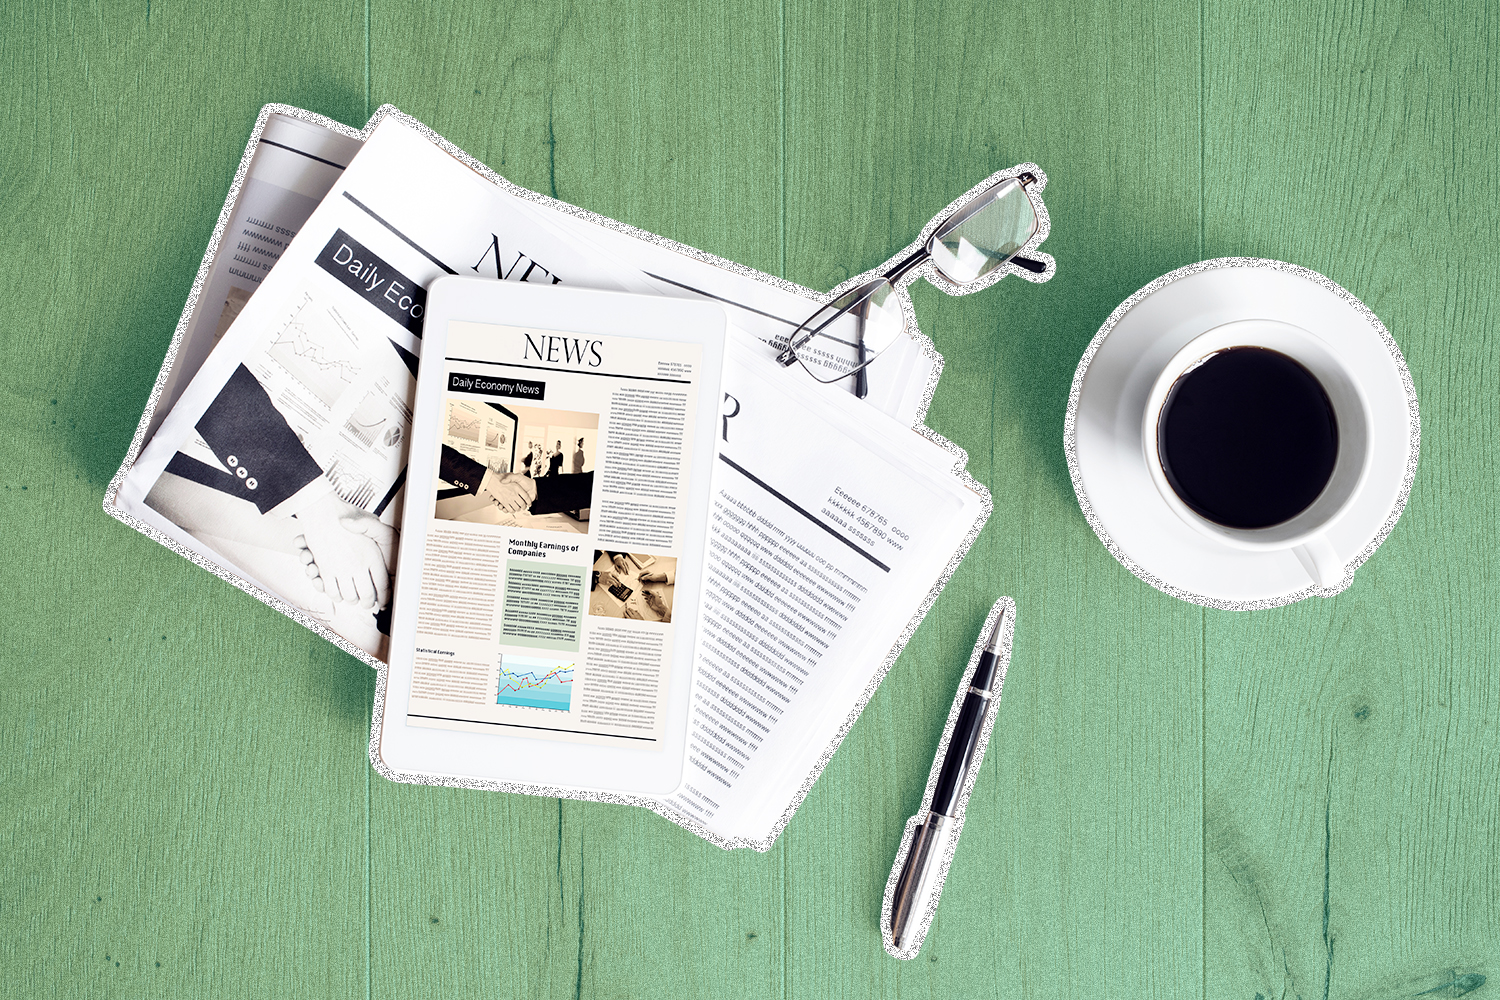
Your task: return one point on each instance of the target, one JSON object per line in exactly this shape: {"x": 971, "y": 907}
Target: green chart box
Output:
{"x": 543, "y": 606}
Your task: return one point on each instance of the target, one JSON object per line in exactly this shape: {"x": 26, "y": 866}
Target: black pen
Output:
{"x": 930, "y": 842}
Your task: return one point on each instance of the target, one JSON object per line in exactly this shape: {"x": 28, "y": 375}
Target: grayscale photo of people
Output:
{"x": 633, "y": 585}
{"x": 518, "y": 466}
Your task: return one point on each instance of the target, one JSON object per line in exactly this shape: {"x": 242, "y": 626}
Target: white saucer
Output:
{"x": 1106, "y": 456}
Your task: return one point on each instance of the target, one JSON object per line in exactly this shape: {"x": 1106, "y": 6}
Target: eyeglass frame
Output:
{"x": 904, "y": 268}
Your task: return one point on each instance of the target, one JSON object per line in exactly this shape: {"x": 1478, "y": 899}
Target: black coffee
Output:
{"x": 1248, "y": 439}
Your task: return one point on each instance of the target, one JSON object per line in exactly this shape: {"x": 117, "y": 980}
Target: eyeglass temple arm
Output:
{"x": 789, "y": 353}
{"x": 861, "y": 380}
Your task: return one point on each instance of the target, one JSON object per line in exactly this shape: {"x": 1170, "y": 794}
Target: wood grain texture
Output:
{"x": 599, "y": 107}
{"x": 1301, "y": 802}
{"x": 1080, "y": 858}
{"x": 181, "y": 799}
{"x": 1351, "y": 815}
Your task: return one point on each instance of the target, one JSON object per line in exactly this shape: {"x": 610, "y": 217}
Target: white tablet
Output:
{"x": 552, "y": 546}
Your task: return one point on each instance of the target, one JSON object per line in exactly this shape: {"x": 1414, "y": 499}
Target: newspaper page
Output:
{"x": 830, "y": 526}
{"x": 551, "y": 559}
{"x": 293, "y": 166}
{"x": 284, "y": 459}
{"x": 296, "y": 162}
{"x": 898, "y": 382}
{"x": 306, "y": 353}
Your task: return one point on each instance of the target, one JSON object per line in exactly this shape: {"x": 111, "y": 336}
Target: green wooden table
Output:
{"x": 1177, "y": 803}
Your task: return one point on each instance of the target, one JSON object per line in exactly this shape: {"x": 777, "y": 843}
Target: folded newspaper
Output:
{"x": 275, "y": 445}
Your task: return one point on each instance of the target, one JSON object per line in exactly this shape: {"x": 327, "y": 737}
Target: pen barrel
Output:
{"x": 984, "y": 673}
{"x": 960, "y": 754}
{"x": 918, "y": 877}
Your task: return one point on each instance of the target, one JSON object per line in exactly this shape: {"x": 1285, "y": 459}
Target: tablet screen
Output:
{"x": 558, "y": 515}
{"x": 551, "y": 569}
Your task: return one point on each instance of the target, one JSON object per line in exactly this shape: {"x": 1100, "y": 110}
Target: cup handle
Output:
{"x": 1322, "y": 563}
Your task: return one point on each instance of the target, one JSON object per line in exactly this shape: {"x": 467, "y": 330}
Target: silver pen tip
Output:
{"x": 993, "y": 645}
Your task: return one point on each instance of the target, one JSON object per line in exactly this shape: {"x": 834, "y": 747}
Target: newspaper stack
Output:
{"x": 260, "y": 434}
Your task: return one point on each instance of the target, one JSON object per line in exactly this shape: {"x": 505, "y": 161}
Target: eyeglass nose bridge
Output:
{"x": 910, "y": 264}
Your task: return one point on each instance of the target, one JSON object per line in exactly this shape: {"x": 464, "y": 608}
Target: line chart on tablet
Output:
{"x": 531, "y": 683}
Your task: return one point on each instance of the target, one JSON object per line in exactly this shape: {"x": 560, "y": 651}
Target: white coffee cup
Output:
{"x": 1306, "y": 534}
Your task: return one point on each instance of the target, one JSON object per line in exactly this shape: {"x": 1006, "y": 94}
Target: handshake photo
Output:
{"x": 509, "y": 491}
{"x": 348, "y": 554}
{"x": 513, "y": 492}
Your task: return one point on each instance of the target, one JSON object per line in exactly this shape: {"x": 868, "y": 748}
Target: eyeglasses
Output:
{"x": 967, "y": 250}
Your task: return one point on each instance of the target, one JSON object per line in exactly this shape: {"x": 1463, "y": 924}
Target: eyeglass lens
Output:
{"x": 848, "y": 332}
{"x": 984, "y": 235}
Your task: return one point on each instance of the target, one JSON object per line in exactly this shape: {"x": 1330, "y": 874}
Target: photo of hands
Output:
{"x": 520, "y": 466}
{"x": 633, "y": 585}
{"x": 247, "y": 488}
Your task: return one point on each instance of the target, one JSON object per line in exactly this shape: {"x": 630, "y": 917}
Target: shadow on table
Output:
{"x": 124, "y": 318}
{"x": 1030, "y": 338}
{"x": 127, "y": 333}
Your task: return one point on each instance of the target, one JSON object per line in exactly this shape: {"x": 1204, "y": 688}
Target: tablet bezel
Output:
{"x": 533, "y": 761}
